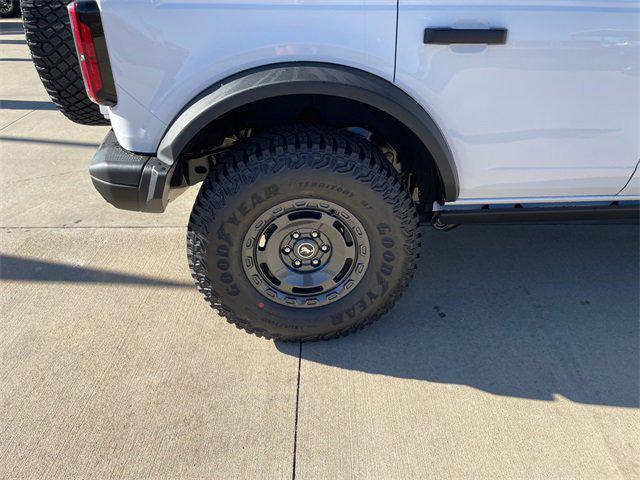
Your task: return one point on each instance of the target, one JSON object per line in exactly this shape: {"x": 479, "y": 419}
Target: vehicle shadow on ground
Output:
{"x": 47, "y": 141}
{"x": 26, "y": 104}
{"x": 11, "y": 27}
{"x": 35, "y": 270}
{"x": 520, "y": 311}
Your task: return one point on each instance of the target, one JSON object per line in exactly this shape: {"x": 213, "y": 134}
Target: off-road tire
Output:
{"x": 9, "y": 8}
{"x": 282, "y": 165}
{"x": 48, "y": 32}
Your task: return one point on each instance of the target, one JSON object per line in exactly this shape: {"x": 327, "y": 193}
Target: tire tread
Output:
{"x": 48, "y": 33}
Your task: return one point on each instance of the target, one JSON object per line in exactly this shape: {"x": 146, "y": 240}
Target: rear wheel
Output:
{"x": 48, "y": 32}
{"x": 9, "y": 8}
{"x": 303, "y": 233}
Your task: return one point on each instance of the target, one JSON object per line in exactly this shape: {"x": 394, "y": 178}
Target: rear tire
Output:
{"x": 48, "y": 32}
{"x": 316, "y": 185}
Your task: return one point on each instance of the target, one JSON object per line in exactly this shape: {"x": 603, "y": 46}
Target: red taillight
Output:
{"x": 92, "y": 51}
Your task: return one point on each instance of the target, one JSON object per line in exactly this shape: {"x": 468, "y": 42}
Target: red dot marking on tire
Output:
{"x": 261, "y": 305}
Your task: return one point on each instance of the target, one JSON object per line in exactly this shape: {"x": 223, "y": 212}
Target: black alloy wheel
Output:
{"x": 306, "y": 253}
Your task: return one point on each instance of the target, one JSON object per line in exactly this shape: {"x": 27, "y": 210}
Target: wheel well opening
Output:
{"x": 401, "y": 146}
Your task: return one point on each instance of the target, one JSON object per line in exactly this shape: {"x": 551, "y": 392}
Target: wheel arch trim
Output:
{"x": 310, "y": 78}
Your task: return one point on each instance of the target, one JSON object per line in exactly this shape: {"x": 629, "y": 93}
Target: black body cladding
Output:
{"x": 317, "y": 79}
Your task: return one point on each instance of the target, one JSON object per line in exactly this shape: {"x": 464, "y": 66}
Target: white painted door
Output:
{"x": 552, "y": 112}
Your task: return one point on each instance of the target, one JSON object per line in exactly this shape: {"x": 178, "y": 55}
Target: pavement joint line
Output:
{"x": 30, "y": 179}
{"x": 16, "y": 120}
{"x": 295, "y": 430}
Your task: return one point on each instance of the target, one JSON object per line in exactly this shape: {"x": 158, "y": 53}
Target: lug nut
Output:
{"x": 315, "y": 262}
{"x": 287, "y": 250}
{"x": 324, "y": 248}
{"x": 297, "y": 263}
{"x": 314, "y": 234}
{"x": 295, "y": 235}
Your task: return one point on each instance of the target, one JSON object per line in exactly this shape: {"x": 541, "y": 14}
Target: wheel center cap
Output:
{"x": 306, "y": 250}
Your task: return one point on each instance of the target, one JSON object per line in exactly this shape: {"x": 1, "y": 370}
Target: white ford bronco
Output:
{"x": 323, "y": 132}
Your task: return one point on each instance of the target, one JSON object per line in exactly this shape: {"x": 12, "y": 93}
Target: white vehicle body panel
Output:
{"x": 165, "y": 52}
{"x": 552, "y": 113}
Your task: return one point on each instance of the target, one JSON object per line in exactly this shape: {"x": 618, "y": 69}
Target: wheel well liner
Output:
{"x": 317, "y": 79}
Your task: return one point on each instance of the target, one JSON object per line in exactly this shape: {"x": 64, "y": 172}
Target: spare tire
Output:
{"x": 48, "y": 32}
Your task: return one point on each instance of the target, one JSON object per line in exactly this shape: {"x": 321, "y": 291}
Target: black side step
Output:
{"x": 615, "y": 211}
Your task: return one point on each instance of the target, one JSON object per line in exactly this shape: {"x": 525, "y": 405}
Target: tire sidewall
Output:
{"x": 388, "y": 261}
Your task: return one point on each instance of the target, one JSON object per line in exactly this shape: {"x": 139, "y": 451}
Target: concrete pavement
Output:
{"x": 513, "y": 355}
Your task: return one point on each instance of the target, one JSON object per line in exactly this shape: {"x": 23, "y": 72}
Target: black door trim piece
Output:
{"x": 448, "y": 36}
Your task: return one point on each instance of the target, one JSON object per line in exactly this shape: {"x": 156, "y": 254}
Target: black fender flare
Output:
{"x": 310, "y": 78}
